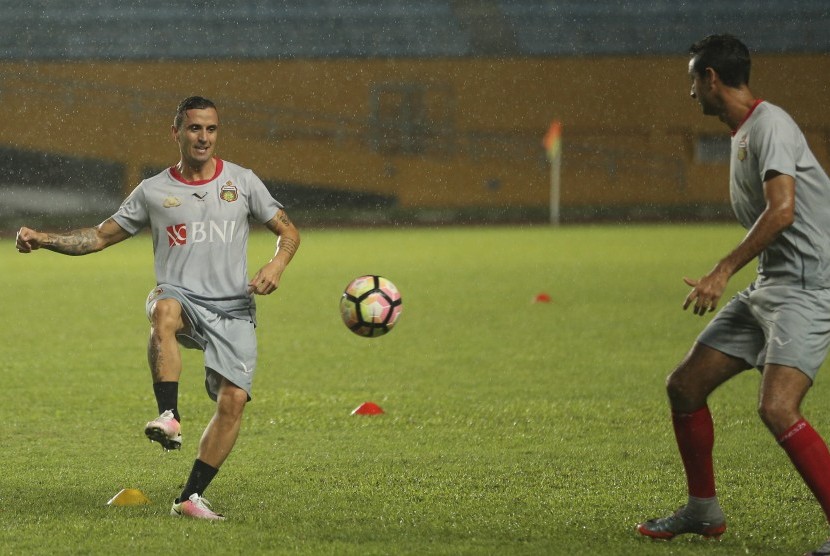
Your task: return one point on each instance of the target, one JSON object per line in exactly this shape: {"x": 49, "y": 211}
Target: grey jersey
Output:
{"x": 767, "y": 140}
{"x": 200, "y": 230}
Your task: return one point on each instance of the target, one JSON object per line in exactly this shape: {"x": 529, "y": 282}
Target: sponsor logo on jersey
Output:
{"x": 742, "y": 148}
{"x": 200, "y": 197}
{"x": 229, "y": 192}
{"x": 201, "y": 232}
{"x": 177, "y": 234}
{"x": 170, "y": 201}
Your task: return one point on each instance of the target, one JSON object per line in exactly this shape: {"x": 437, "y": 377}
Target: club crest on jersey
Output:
{"x": 742, "y": 144}
{"x": 229, "y": 192}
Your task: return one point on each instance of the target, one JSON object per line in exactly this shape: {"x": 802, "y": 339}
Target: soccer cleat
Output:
{"x": 667, "y": 528}
{"x": 195, "y": 506}
{"x": 823, "y": 550}
{"x": 165, "y": 430}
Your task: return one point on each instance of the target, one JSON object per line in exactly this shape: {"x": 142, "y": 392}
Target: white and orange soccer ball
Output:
{"x": 370, "y": 306}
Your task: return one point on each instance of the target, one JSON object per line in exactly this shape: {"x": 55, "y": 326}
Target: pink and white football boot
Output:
{"x": 196, "y": 507}
{"x": 165, "y": 430}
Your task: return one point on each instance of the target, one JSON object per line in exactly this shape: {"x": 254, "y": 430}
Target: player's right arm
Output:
{"x": 779, "y": 214}
{"x": 77, "y": 242}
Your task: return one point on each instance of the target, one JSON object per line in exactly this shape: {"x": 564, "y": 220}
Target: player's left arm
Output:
{"x": 778, "y": 215}
{"x": 268, "y": 278}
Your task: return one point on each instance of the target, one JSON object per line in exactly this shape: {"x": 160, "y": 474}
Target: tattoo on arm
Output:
{"x": 284, "y": 218}
{"x": 288, "y": 245}
{"x": 289, "y": 239}
{"x": 78, "y": 242}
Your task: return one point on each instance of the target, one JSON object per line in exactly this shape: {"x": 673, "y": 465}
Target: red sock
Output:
{"x": 695, "y": 434}
{"x": 811, "y": 458}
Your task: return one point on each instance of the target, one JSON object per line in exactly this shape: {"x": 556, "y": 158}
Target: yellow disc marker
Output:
{"x": 128, "y": 497}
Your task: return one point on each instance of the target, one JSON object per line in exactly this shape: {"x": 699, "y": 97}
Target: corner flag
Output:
{"x": 552, "y": 141}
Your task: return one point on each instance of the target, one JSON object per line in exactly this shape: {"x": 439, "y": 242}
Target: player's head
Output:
{"x": 195, "y": 130}
{"x": 190, "y": 103}
{"x": 724, "y": 54}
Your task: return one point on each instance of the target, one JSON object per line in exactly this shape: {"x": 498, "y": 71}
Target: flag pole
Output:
{"x": 555, "y": 187}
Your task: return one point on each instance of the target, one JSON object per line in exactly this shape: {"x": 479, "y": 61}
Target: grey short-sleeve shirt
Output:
{"x": 769, "y": 140}
{"x": 200, "y": 229}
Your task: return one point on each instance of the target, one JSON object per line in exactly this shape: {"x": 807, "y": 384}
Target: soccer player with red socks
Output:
{"x": 780, "y": 324}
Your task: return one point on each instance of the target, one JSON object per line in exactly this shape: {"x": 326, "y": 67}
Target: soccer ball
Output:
{"x": 370, "y": 306}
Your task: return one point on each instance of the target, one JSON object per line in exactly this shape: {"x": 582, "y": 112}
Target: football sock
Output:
{"x": 811, "y": 458}
{"x": 167, "y": 397}
{"x": 706, "y": 509}
{"x": 695, "y": 434}
{"x": 200, "y": 477}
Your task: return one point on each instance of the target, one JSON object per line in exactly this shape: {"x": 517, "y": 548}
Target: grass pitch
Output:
{"x": 511, "y": 427}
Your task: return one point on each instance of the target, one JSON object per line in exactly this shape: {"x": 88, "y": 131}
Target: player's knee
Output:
{"x": 777, "y": 416}
{"x": 676, "y": 387}
{"x": 684, "y": 392}
{"x": 231, "y": 401}
{"x": 166, "y": 316}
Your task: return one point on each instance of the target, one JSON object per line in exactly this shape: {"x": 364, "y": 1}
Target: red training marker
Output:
{"x": 368, "y": 408}
{"x": 542, "y": 298}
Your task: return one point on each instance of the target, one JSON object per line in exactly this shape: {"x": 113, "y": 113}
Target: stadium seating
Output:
{"x": 153, "y": 29}
{"x": 440, "y": 104}
{"x": 159, "y": 29}
{"x": 664, "y": 26}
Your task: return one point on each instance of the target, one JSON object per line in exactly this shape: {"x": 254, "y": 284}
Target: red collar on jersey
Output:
{"x": 748, "y": 114}
{"x": 174, "y": 172}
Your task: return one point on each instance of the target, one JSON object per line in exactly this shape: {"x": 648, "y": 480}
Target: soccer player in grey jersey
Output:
{"x": 780, "y": 324}
{"x": 198, "y": 213}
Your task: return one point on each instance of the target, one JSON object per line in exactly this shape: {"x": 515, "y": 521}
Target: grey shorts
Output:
{"x": 229, "y": 344}
{"x": 780, "y": 325}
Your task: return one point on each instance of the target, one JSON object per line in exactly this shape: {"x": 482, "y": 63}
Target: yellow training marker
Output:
{"x": 128, "y": 497}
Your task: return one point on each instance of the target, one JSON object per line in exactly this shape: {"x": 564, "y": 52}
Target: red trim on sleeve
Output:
{"x": 748, "y": 114}
{"x": 174, "y": 173}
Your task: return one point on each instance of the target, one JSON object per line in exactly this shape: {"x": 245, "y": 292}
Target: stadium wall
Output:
{"x": 437, "y": 137}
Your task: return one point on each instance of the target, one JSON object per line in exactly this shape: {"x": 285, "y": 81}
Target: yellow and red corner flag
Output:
{"x": 552, "y": 140}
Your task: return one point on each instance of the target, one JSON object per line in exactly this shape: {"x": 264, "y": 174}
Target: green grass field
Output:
{"x": 510, "y": 427}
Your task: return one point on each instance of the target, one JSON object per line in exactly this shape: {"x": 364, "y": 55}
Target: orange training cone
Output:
{"x": 367, "y": 408}
{"x": 542, "y": 298}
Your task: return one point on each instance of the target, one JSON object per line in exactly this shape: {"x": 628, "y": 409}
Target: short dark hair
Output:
{"x": 190, "y": 103}
{"x": 725, "y": 54}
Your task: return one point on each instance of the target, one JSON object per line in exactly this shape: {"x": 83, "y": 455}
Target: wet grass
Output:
{"x": 510, "y": 426}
